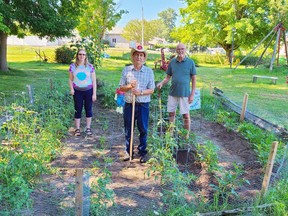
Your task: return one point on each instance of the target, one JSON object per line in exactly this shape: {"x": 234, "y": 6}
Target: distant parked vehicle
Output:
{"x": 215, "y": 51}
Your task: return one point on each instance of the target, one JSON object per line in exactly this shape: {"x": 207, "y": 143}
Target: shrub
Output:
{"x": 64, "y": 55}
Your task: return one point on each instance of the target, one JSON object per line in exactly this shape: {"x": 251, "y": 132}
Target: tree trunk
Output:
{"x": 3, "y": 51}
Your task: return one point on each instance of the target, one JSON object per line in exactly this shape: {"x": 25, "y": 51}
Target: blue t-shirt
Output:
{"x": 181, "y": 73}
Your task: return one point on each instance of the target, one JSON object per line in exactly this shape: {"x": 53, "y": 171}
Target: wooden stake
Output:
{"x": 269, "y": 167}
{"x": 244, "y": 106}
{"x": 132, "y": 127}
{"x": 30, "y": 92}
{"x": 79, "y": 192}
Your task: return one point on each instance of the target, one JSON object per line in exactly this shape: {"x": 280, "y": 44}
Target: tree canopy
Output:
{"x": 168, "y": 17}
{"x": 98, "y": 17}
{"x": 133, "y": 30}
{"x": 161, "y": 27}
{"x": 49, "y": 18}
{"x": 210, "y": 22}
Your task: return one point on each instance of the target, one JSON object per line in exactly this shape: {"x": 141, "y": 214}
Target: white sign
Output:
{"x": 196, "y": 104}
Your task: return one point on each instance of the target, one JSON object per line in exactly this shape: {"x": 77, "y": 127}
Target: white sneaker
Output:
{"x": 126, "y": 156}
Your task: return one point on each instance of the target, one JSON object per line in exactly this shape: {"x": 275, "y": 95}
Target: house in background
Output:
{"x": 155, "y": 41}
{"x": 36, "y": 41}
{"x": 115, "y": 38}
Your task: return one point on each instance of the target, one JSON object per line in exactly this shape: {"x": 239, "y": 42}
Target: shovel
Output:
{"x": 132, "y": 127}
{"x": 160, "y": 112}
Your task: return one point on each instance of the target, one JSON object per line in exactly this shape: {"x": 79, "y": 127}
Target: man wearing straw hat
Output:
{"x": 137, "y": 81}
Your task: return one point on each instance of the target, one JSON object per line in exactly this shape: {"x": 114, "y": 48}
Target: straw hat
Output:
{"x": 140, "y": 49}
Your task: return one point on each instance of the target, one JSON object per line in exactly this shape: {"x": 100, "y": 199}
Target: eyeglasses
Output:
{"x": 81, "y": 54}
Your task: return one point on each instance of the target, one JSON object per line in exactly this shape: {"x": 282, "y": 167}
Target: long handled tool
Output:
{"x": 160, "y": 112}
{"x": 132, "y": 126}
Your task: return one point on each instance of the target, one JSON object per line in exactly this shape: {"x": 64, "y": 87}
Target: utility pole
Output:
{"x": 142, "y": 43}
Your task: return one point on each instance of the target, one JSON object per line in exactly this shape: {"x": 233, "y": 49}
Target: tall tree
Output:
{"x": 98, "y": 17}
{"x": 210, "y": 22}
{"x": 45, "y": 18}
{"x": 168, "y": 18}
{"x": 133, "y": 30}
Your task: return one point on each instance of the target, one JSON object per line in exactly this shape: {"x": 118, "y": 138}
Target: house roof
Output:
{"x": 115, "y": 30}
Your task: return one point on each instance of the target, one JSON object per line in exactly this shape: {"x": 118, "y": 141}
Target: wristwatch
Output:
{"x": 141, "y": 93}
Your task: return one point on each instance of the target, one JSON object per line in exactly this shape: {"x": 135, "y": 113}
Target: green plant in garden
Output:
{"x": 32, "y": 140}
{"x": 261, "y": 141}
{"x": 207, "y": 153}
{"x": 228, "y": 119}
{"x": 276, "y": 195}
{"x": 164, "y": 165}
{"x": 227, "y": 183}
{"x": 102, "y": 197}
{"x": 102, "y": 141}
{"x": 108, "y": 96}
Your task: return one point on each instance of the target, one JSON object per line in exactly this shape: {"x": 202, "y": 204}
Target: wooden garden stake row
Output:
{"x": 269, "y": 167}
{"x": 79, "y": 192}
{"x": 82, "y": 193}
{"x": 244, "y": 107}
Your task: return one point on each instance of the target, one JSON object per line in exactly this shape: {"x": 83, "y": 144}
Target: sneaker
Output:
{"x": 144, "y": 159}
{"x": 126, "y": 156}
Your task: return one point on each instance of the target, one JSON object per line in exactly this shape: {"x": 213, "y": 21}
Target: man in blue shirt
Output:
{"x": 182, "y": 70}
{"x": 138, "y": 80}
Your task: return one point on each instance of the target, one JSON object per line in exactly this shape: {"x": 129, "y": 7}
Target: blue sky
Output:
{"x": 151, "y": 8}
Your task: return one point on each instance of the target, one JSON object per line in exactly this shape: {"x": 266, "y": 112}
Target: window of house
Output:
{"x": 114, "y": 40}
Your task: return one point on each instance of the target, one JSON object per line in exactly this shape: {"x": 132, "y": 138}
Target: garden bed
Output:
{"x": 135, "y": 192}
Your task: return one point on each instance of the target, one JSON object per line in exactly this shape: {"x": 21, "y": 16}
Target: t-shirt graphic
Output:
{"x": 82, "y": 77}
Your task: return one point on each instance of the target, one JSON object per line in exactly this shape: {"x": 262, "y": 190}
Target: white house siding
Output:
{"x": 116, "y": 40}
{"x": 35, "y": 41}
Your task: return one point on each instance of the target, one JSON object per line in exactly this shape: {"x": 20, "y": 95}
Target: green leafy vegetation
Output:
{"x": 29, "y": 142}
{"x": 39, "y": 128}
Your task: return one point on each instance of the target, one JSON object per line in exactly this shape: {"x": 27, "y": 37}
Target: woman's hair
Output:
{"x": 86, "y": 58}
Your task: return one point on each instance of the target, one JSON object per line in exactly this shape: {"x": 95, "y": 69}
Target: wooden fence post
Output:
{"x": 30, "y": 92}
{"x": 269, "y": 167}
{"x": 79, "y": 192}
{"x": 244, "y": 106}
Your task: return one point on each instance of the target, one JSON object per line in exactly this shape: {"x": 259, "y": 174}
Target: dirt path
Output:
{"x": 135, "y": 193}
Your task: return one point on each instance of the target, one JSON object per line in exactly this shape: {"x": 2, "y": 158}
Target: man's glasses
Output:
{"x": 81, "y": 54}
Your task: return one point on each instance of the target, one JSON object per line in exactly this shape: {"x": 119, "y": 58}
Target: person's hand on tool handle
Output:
{"x": 159, "y": 85}
{"x": 134, "y": 89}
{"x": 133, "y": 83}
{"x": 163, "y": 82}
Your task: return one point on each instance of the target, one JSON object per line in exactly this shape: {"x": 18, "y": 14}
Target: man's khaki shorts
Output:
{"x": 173, "y": 102}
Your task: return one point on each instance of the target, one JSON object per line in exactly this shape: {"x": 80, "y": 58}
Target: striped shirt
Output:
{"x": 145, "y": 80}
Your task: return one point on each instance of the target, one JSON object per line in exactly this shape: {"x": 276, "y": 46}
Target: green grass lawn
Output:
{"x": 265, "y": 99}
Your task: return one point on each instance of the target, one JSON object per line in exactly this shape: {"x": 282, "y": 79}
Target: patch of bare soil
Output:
{"x": 135, "y": 193}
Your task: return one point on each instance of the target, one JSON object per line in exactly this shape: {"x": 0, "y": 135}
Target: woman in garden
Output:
{"x": 82, "y": 83}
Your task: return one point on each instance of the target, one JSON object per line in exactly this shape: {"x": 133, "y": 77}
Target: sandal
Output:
{"x": 88, "y": 131}
{"x": 77, "y": 132}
